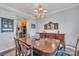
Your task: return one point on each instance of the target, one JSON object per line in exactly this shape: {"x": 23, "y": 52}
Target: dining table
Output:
{"x": 44, "y": 46}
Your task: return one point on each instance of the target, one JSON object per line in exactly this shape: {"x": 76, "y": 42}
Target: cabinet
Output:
{"x": 53, "y": 36}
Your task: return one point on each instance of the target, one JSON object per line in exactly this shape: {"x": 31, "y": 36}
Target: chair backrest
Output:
{"x": 16, "y": 42}
{"x": 17, "y": 45}
{"x": 25, "y": 49}
{"x": 77, "y": 46}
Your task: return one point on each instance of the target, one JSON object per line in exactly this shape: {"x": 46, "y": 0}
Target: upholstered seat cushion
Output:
{"x": 62, "y": 53}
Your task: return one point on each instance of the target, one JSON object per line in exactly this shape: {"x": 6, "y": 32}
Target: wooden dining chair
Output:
{"x": 17, "y": 47}
{"x": 70, "y": 49}
{"x": 74, "y": 49}
{"x": 26, "y": 49}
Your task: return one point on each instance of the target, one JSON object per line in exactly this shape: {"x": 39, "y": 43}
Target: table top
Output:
{"x": 42, "y": 45}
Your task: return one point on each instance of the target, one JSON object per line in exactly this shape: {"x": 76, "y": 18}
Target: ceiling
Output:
{"x": 28, "y": 8}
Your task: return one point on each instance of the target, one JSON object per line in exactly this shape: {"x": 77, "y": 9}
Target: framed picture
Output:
{"x": 7, "y": 25}
{"x": 50, "y": 26}
{"x": 33, "y": 26}
{"x": 55, "y": 26}
{"x": 45, "y": 26}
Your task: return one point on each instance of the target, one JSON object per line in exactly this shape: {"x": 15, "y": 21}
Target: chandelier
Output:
{"x": 40, "y": 12}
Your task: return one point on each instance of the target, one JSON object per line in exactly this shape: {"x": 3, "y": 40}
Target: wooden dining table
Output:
{"x": 44, "y": 46}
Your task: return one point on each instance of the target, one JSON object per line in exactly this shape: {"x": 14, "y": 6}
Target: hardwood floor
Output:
{"x": 12, "y": 53}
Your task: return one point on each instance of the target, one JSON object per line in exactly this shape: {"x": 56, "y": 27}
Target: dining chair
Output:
{"x": 68, "y": 50}
{"x": 60, "y": 51}
{"x": 26, "y": 49}
{"x": 74, "y": 50}
{"x": 17, "y": 47}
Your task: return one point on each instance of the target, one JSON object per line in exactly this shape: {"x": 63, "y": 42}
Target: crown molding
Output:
{"x": 31, "y": 16}
{"x": 22, "y": 14}
{"x": 63, "y": 9}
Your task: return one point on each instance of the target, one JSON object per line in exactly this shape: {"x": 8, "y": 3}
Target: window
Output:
{"x": 7, "y": 25}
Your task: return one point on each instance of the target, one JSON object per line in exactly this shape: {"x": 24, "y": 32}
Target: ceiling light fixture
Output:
{"x": 40, "y": 12}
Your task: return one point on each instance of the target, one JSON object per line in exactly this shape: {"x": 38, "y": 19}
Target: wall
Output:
{"x": 30, "y": 31}
{"x": 68, "y": 23}
{"x": 6, "y": 38}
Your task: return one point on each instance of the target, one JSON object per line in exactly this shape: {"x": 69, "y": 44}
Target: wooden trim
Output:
{"x": 6, "y": 51}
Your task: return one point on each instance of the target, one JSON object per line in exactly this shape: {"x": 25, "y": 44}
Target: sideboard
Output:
{"x": 57, "y": 36}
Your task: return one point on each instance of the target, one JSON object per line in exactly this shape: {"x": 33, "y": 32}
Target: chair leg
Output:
{"x": 31, "y": 52}
{"x": 16, "y": 53}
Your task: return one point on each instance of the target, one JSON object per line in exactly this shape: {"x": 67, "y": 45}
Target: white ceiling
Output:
{"x": 28, "y": 8}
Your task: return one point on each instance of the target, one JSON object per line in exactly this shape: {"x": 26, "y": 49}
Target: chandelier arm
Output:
{"x": 40, "y": 11}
